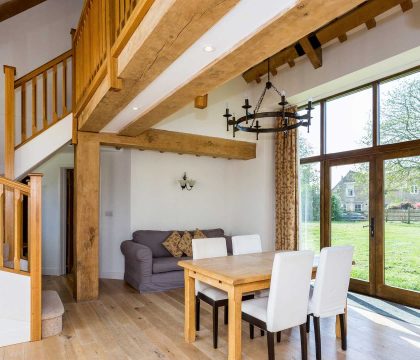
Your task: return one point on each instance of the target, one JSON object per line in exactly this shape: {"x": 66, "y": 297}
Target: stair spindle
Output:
{"x": 18, "y": 229}
{"x": 34, "y": 119}
{"x": 23, "y": 112}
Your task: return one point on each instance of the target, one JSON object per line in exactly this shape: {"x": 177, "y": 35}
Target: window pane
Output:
{"x": 309, "y": 178}
{"x": 349, "y": 122}
{"x": 350, "y": 213}
{"x": 310, "y": 143}
{"x": 400, "y": 110}
{"x": 402, "y": 223}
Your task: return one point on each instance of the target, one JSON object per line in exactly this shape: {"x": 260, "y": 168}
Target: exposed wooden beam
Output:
{"x": 167, "y": 30}
{"x": 314, "y": 55}
{"x": 267, "y": 41}
{"x": 355, "y": 18}
{"x": 200, "y": 102}
{"x": 14, "y": 7}
{"x": 180, "y": 143}
{"x": 286, "y": 56}
{"x": 335, "y": 29}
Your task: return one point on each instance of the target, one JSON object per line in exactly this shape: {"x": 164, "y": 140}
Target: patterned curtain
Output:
{"x": 287, "y": 196}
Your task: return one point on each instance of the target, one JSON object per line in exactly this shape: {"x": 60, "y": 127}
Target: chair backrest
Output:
{"x": 289, "y": 289}
{"x": 246, "y": 244}
{"x": 207, "y": 248}
{"x": 332, "y": 281}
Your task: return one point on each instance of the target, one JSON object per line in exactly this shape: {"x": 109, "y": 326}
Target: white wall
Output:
{"x": 53, "y": 225}
{"x": 32, "y": 38}
{"x": 114, "y": 211}
{"x": 159, "y": 203}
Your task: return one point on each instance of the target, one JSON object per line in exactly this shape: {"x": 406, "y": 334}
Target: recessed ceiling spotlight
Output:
{"x": 135, "y": 108}
{"x": 208, "y": 48}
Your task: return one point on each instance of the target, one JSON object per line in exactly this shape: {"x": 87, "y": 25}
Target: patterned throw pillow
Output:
{"x": 185, "y": 245}
{"x": 198, "y": 234}
{"x": 171, "y": 244}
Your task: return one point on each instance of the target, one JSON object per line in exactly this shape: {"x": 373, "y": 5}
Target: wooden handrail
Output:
{"x": 24, "y": 189}
{"x": 38, "y": 71}
{"x": 57, "y": 92}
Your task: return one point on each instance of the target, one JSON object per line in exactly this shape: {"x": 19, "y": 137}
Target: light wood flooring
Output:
{"x": 123, "y": 324}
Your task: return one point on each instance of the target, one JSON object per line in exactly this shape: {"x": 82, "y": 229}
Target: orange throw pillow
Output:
{"x": 185, "y": 245}
{"x": 171, "y": 244}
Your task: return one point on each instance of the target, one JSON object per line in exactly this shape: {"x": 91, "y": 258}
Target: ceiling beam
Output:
{"x": 314, "y": 55}
{"x": 167, "y": 30}
{"x": 180, "y": 143}
{"x": 363, "y": 14}
{"x": 268, "y": 40}
{"x": 14, "y": 7}
{"x": 355, "y": 18}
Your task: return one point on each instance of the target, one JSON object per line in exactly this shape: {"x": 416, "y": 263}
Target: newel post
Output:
{"x": 35, "y": 253}
{"x": 9, "y": 152}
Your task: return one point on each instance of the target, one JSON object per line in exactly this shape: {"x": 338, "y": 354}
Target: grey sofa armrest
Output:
{"x": 138, "y": 263}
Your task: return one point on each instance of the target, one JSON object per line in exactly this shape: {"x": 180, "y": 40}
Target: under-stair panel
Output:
{"x": 31, "y": 154}
{"x": 14, "y": 332}
{"x": 15, "y": 308}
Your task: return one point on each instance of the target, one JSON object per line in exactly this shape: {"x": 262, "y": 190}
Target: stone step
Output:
{"x": 52, "y": 313}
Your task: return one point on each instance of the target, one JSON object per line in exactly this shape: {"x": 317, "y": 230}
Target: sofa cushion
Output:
{"x": 185, "y": 245}
{"x": 153, "y": 239}
{"x": 171, "y": 244}
{"x": 165, "y": 264}
{"x": 198, "y": 234}
{"x": 214, "y": 233}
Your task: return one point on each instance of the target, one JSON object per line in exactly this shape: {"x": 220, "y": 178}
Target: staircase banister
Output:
{"x": 38, "y": 71}
{"x": 24, "y": 189}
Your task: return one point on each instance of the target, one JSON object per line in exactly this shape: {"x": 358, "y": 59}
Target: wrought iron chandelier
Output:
{"x": 242, "y": 124}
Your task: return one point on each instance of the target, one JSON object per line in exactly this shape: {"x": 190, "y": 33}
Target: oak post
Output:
{"x": 9, "y": 152}
{"x": 86, "y": 218}
{"x": 35, "y": 253}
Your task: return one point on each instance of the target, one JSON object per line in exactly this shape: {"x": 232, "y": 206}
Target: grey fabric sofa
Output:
{"x": 150, "y": 267}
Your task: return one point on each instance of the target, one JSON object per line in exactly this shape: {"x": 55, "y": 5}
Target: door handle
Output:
{"x": 372, "y": 227}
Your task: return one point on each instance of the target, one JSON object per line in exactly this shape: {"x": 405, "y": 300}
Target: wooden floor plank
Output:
{"x": 123, "y": 324}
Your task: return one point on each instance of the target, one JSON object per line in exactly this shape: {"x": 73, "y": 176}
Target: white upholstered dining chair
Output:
{"x": 204, "y": 249}
{"x": 249, "y": 244}
{"x": 246, "y": 244}
{"x": 328, "y": 296}
{"x": 287, "y": 303}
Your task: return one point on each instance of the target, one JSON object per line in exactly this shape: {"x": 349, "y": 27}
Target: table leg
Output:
{"x": 235, "y": 324}
{"x": 189, "y": 326}
{"x": 337, "y": 323}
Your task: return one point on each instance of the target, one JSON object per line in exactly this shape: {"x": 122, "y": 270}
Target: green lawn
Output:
{"x": 402, "y": 249}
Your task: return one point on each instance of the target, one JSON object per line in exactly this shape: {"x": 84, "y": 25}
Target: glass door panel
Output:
{"x": 349, "y": 213}
{"x": 402, "y": 223}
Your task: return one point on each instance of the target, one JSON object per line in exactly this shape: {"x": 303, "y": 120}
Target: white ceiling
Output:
{"x": 236, "y": 26}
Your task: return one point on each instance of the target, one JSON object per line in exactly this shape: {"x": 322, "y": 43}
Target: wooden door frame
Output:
{"x": 402, "y": 296}
{"x": 356, "y": 285}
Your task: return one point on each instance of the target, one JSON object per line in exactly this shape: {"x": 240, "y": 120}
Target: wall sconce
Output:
{"x": 186, "y": 183}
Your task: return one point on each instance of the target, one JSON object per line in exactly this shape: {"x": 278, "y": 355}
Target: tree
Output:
{"x": 336, "y": 208}
{"x": 399, "y": 122}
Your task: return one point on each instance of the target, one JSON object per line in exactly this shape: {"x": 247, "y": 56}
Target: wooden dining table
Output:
{"x": 236, "y": 275}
